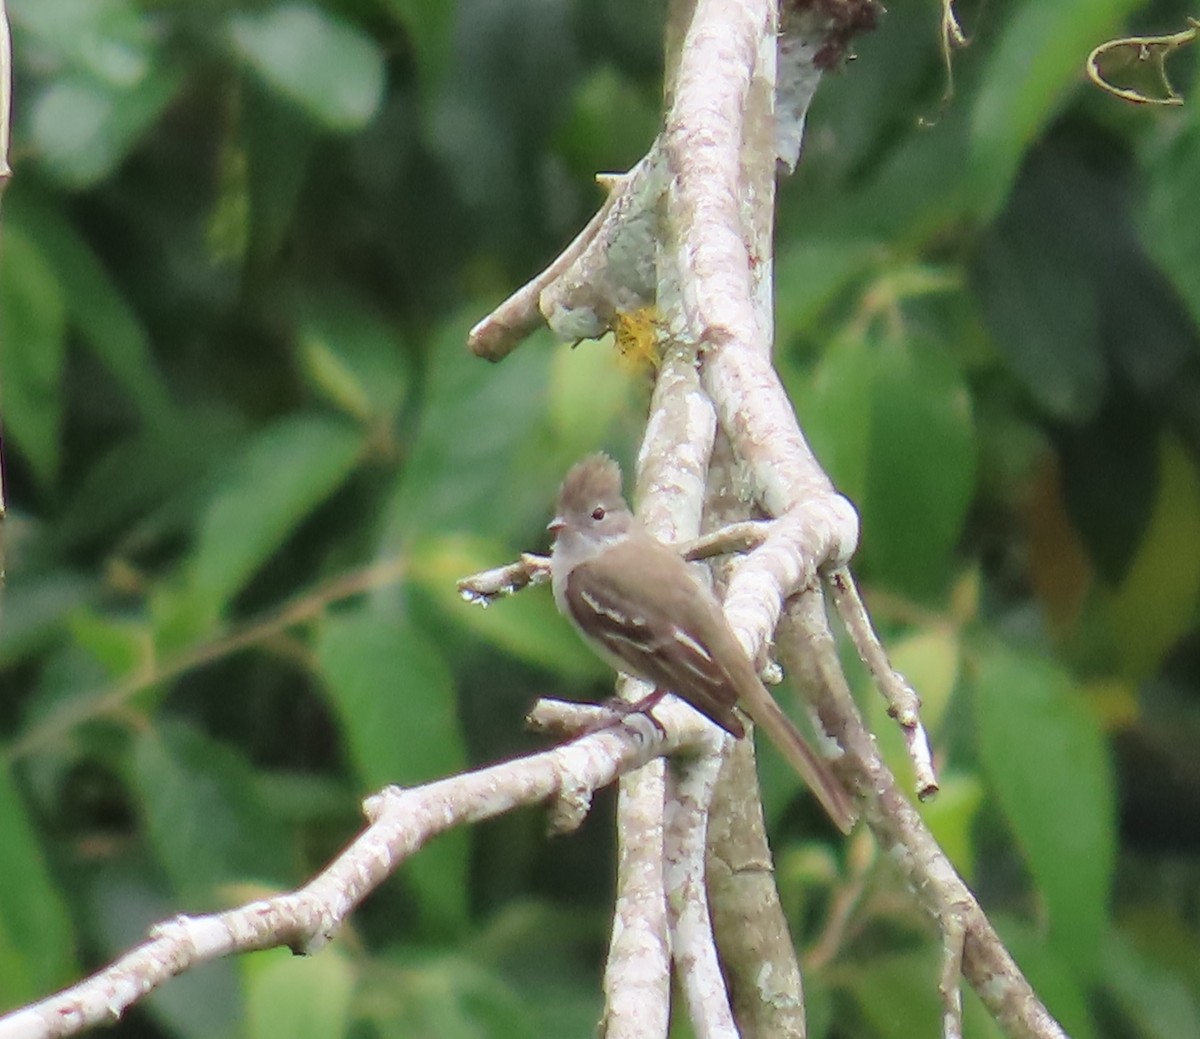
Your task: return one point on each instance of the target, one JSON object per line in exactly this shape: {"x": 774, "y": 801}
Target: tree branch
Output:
{"x": 808, "y": 649}
{"x": 401, "y": 822}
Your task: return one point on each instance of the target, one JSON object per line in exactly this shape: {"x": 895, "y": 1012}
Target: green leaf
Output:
{"x": 298, "y": 997}
{"x": 66, "y": 690}
{"x": 173, "y": 460}
{"x": 122, "y": 905}
{"x": 913, "y": 511}
{"x": 396, "y": 703}
{"x": 37, "y": 948}
{"x": 202, "y": 815}
{"x": 527, "y": 625}
{"x": 1044, "y": 322}
{"x": 1045, "y": 756}
{"x": 279, "y": 144}
{"x": 1060, "y": 982}
{"x": 1158, "y": 1004}
{"x": 119, "y": 645}
{"x": 899, "y": 197}
{"x": 282, "y": 476}
{"x": 395, "y": 698}
{"x": 108, "y": 39}
{"x": 83, "y": 129}
{"x": 1155, "y": 603}
{"x": 32, "y": 612}
{"x": 897, "y": 995}
{"x": 430, "y": 25}
{"x": 1027, "y": 79}
{"x": 515, "y": 65}
{"x": 588, "y": 392}
{"x": 102, "y": 316}
{"x": 32, "y": 334}
{"x": 613, "y": 121}
{"x": 451, "y": 998}
{"x": 1110, "y": 474}
{"x": 809, "y": 275}
{"x": 1038, "y": 295}
{"x": 910, "y": 404}
{"x": 1173, "y": 172}
{"x": 352, "y": 357}
{"x": 330, "y": 69}
{"x": 840, "y": 385}
{"x": 474, "y": 416}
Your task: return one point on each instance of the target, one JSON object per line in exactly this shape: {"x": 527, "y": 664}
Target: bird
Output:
{"x": 637, "y": 604}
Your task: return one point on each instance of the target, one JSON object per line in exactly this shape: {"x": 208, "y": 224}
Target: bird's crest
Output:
{"x": 595, "y": 478}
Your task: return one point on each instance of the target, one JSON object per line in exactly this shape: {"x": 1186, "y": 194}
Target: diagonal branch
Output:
{"x": 808, "y": 650}
{"x": 401, "y": 822}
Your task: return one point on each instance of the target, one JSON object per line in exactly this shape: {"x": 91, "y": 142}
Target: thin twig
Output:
{"x": 607, "y": 268}
{"x": 903, "y": 703}
{"x": 487, "y": 586}
{"x": 503, "y": 330}
{"x": 949, "y": 984}
{"x": 88, "y": 706}
{"x": 846, "y": 899}
{"x": 744, "y": 536}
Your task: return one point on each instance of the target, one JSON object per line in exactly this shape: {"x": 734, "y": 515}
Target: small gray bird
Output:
{"x": 636, "y": 603}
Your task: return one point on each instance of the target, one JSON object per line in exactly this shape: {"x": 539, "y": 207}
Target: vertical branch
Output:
{"x": 637, "y": 973}
{"x": 765, "y": 985}
{"x": 671, "y": 474}
{"x": 698, "y": 966}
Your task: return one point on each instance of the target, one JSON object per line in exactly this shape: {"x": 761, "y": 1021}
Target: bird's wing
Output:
{"x": 661, "y": 638}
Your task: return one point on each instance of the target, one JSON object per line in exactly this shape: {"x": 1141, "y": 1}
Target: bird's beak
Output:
{"x": 556, "y": 524}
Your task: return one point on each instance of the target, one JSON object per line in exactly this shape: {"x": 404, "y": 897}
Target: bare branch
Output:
{"x": 615, "y": 272}
{"x": 487, "y": 586}
{"x": 949, "y": 987}
{"x": 903, "y": 703}
{"x": 637, "y": 971}
{"x": 752, "y": 933}
{"x": 693, "y": 942}
{"x": 673, "y": 463}
{"x": 401, "y": 823}
{"x": 742, "y": 536}
{"x": 503, "y": 330}
{"x": 712, "y": 214}
{"x": 808, "y": 648}
{"x": 608, "y": 268}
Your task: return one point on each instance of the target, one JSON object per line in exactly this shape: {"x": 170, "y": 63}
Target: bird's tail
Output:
{"x": 816, "y": 774}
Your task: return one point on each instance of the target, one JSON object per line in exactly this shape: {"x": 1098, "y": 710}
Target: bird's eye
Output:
{"x": 598, "y": 513}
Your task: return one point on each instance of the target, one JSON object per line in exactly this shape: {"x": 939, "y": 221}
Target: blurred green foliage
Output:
{"x": 247, "y": 456}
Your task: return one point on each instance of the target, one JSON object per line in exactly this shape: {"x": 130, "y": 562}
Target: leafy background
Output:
{"x": 247, "y": 456}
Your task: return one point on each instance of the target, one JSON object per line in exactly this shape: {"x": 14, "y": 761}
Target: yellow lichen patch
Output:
{"x": 636, "y": 335}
